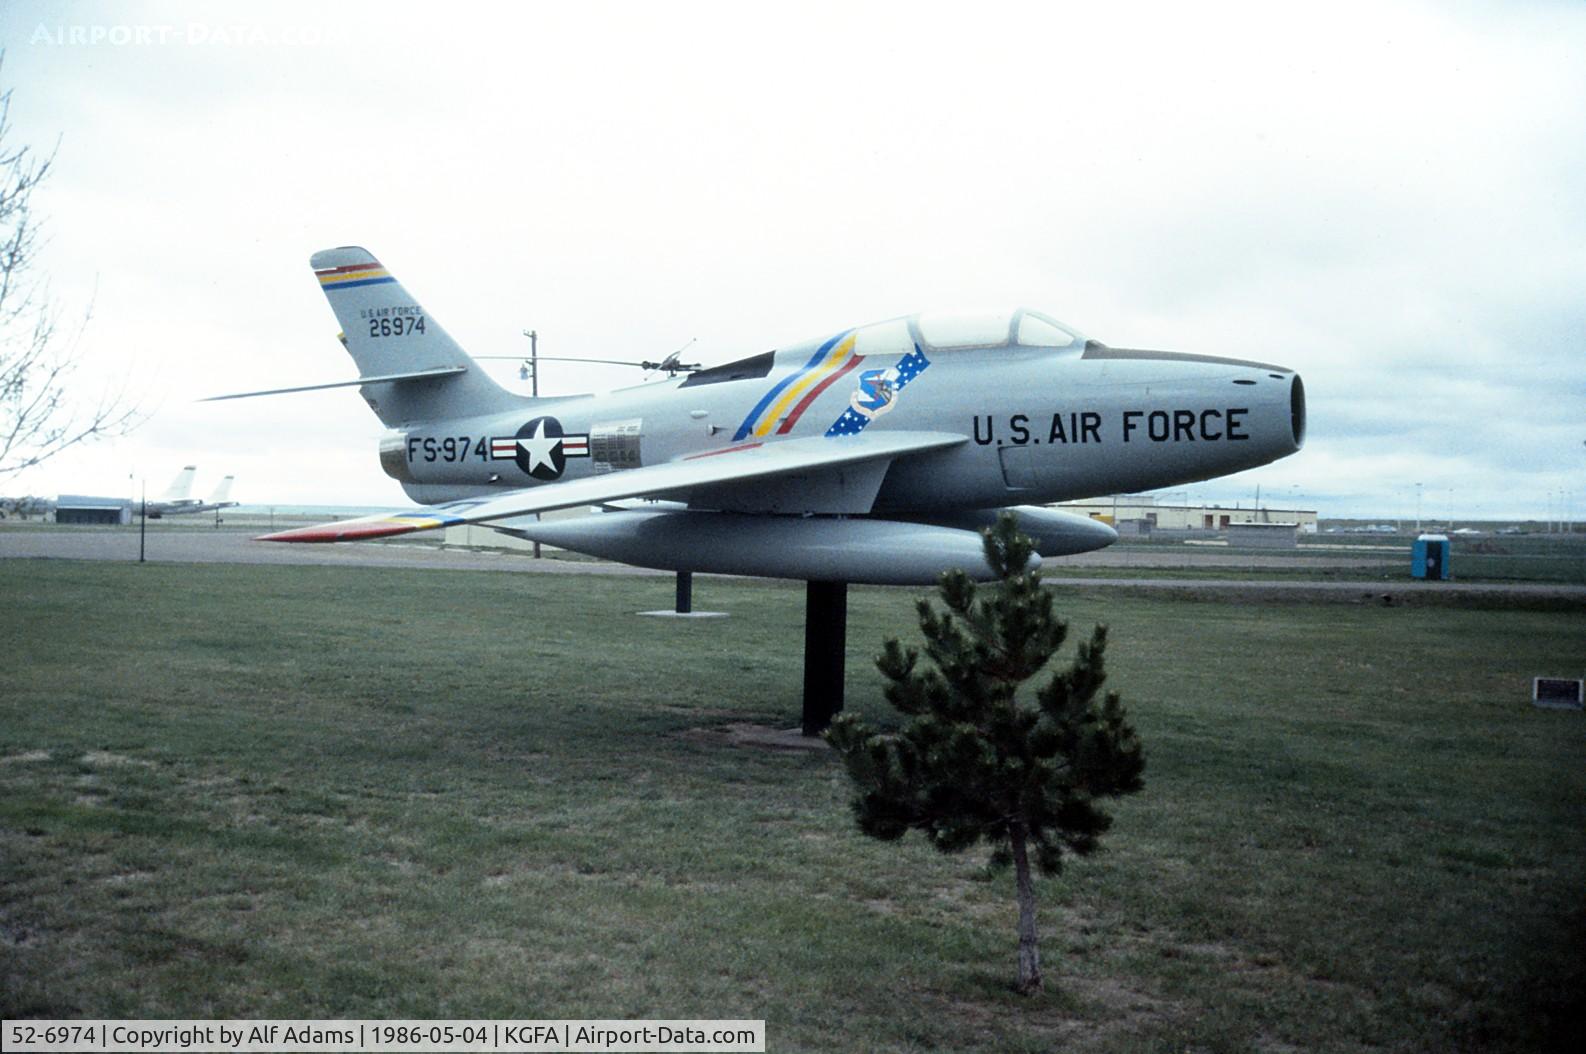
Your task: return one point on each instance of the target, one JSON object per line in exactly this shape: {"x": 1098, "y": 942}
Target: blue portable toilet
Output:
{"x": 1430, "y": 557}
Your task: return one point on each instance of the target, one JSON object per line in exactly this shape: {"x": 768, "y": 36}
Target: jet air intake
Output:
{"x": 1297, "y": 411}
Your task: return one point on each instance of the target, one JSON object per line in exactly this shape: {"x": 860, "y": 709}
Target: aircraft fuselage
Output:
{"x": 1043, "y": 425}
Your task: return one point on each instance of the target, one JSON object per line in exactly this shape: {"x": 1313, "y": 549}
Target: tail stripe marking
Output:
{"x": 353, "y": 277}
{"x": 353, "y": 285}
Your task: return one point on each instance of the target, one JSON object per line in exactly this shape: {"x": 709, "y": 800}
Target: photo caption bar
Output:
{"x": 374, "y": 1037}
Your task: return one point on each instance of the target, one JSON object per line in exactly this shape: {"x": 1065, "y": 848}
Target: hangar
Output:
{"x": 80, "y": 508}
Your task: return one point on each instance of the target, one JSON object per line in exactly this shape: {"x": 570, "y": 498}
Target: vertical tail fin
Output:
{"x": 386, "y": 331}
{"x": 181, "y": 486}
{"x": 222, "y": 492}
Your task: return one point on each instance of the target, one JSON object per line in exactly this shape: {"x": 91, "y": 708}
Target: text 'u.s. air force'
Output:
{"x": 1201, "y": 425}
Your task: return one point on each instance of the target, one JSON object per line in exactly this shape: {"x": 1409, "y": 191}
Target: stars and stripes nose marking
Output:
{"x": 877, "y": 392}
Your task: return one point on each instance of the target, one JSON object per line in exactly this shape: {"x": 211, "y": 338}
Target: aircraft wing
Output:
{"x": 712, "y": 468}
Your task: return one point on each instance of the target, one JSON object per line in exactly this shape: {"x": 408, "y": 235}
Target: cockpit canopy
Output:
{"x": 1031, "y": 329}
{"x": 931, "y": 331}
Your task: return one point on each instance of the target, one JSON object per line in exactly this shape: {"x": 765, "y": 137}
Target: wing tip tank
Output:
{"x": 337, "y": 532}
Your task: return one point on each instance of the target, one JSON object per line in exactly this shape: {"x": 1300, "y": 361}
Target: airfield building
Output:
{"x": 1264, "y": 535}
{"x": 80, "y": 508}
{"x": 1141, "y": 514}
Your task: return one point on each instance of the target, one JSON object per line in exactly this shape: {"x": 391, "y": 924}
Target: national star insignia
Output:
{"x": 540, "y": 448}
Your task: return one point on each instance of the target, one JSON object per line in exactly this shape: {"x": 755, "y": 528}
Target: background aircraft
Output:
{"x": 220, "y": 499}
{"x": 176, "y": 502}
{"x": 872, "y": 454}
{"x": 176, "y": 496}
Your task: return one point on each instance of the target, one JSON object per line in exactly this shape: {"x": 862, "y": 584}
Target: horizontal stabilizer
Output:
{"x": 415, "y": 375}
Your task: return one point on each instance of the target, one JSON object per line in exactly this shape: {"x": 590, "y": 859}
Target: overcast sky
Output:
{"x": 1389, "y": 198}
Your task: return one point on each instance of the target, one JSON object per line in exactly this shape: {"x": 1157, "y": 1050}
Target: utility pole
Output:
{"x": 534, "y": 388}
{"x": 534, "y": 362}
{"x": 143, "y": 516}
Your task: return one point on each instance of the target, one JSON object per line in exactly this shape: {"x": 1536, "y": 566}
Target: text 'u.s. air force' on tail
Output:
{"x": 872, "y": 454}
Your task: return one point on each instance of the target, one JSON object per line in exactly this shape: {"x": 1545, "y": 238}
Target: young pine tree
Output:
{"x": 973, "y": 762}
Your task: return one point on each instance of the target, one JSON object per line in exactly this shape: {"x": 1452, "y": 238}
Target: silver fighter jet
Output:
{"x": 872, "y": 454}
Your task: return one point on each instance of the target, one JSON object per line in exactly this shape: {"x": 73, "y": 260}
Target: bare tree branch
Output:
{"x": 40, "y": 413}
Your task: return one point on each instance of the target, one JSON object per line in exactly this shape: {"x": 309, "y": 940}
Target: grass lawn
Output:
{"x": 296, "y": 792}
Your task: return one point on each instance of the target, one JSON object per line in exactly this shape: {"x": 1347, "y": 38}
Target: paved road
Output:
{"x": 191, "y": 545}
{"x": 196, "y": 546}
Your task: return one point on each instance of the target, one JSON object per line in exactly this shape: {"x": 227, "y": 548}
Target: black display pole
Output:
{"x": 825, "y": 652}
